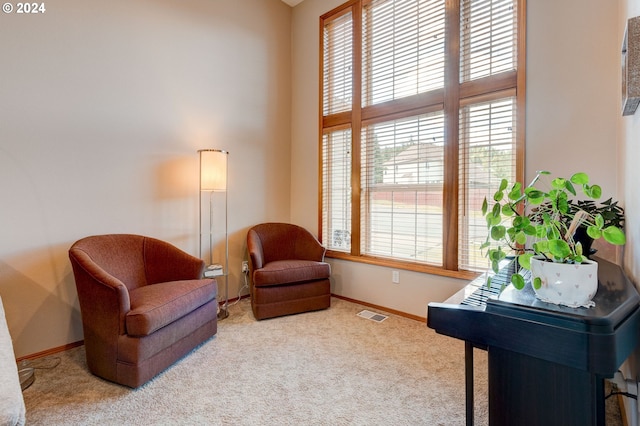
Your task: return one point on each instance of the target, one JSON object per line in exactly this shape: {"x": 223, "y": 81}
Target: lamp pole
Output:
{"x": 213, "y": 178}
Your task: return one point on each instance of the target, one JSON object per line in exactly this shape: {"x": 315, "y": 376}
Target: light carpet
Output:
{"x": 329, "y": 367}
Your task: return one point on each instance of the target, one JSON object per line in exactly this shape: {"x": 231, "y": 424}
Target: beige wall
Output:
{"x": 573, "y": 93}
{"x": 103, "y": 106}
{"x": 573, "y": 89}
{"x": 572, "y": 125}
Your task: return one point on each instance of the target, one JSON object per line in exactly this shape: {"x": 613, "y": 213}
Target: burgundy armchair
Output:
{"x": 144, "y": 305}
{"x": 288, "y": 272}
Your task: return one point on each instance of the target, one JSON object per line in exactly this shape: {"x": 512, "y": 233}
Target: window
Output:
{"x": 422, "y": 115}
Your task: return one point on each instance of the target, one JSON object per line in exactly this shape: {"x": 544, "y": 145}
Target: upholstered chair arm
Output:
{"x": 103, "y": 294}
{"x": 164, "y": 262}
{"x": 308, "y": 247}
{"x": 254, "y": 247}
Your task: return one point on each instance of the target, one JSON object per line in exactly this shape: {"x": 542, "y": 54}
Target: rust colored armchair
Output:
{"x": 143, "y": 304}
{"x": 288, "y": 272}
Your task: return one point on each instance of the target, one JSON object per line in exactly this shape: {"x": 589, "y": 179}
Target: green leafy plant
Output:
{"x": 612, "y": 214}
{"x": 529, "y": 221}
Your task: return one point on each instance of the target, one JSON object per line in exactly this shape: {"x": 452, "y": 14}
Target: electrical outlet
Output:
{"x": 395, "y": 277}
{"x": 245, "y": 266}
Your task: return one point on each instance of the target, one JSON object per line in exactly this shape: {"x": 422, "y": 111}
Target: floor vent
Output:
{"x": 372, "y": 316}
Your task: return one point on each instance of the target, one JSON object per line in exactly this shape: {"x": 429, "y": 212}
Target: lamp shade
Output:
{"x": 213, "y": 170}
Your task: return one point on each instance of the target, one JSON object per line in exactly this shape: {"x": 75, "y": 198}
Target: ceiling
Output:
{"x": 292, "y": 2}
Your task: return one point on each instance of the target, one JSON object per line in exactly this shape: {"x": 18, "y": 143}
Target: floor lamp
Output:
{"x": 213, "y": 179}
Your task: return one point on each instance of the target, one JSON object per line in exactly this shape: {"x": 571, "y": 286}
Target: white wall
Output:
{"x": 103, "y": 106}
{"x": 572, "y": 110}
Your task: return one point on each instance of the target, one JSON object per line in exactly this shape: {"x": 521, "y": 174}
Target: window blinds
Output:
{"x": 336, "y": 190}
{"x": 338, "y": 64}
{"x": 386, "y": 158}
{"x": 487, "y": 155}
{"x": 402, "y": 181}
{"x": 403, "y": 49}
{"x": 487, "y": 38}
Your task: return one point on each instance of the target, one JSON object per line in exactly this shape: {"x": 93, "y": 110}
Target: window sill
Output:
{"x": 408, "y": 266}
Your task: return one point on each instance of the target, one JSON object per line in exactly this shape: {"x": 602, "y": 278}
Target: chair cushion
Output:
{"x": 156, "y": 305}
{"x": 290, "y": 271}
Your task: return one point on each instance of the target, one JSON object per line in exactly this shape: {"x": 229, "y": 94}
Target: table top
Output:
{"x": 615, "y": 300}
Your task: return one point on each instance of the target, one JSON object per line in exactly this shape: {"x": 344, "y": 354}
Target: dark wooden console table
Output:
{"x": 547, "y": 363}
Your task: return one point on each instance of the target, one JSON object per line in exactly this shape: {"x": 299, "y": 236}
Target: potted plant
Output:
{"x": 537, "y": 224}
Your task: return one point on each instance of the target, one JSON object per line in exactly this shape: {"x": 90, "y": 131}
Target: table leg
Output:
{"x": 468, "y": 377}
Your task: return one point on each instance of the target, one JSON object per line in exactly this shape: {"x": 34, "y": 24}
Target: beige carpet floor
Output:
{"x": 320, "y": 368}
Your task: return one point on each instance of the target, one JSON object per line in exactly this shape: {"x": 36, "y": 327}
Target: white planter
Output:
{"x": 566, "y": 284}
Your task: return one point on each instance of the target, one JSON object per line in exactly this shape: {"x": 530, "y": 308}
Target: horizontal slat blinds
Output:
{"x": 338, "y": 65}
{"x": 487, "y": 38}
{"x": 487, "y": 155}
{"x": 419, "y": 110}
{"x": 402, "y": 180}
{"x": 336, "y": 189}
{"x": 403, "y": 49}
